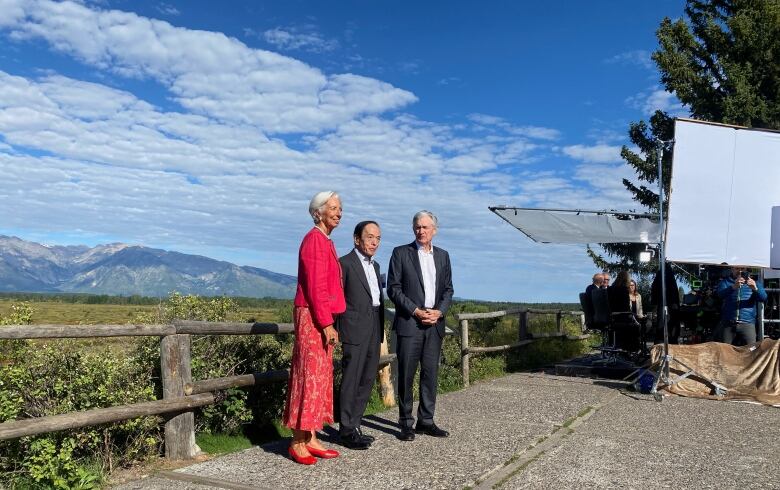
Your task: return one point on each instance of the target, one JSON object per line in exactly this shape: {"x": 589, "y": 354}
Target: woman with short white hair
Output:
{"x": 319, "y": 298}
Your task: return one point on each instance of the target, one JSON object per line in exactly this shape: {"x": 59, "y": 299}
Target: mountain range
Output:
{"x": 121, "y": 269}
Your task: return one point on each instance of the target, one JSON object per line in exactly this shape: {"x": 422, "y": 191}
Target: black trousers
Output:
{"x": 672, "y": 323}
{"x": 423, "y": 349}
{"x": 735, "y": 333}
{"x": 359, "y": 365}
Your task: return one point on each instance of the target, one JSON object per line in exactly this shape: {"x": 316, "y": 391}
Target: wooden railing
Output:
{"x": 181, "y": 395}
{"x": 523, "y": 335}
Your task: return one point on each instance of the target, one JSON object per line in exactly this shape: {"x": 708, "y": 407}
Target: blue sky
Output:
{"x": 206, "y": 128}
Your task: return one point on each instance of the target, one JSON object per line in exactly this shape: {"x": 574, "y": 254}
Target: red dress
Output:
{"x": 318, "y": 298}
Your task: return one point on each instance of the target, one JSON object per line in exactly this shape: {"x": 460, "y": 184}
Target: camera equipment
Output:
{"x": 745, "y": 275}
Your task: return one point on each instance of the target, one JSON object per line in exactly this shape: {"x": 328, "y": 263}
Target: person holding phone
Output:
{"x": 740, "y": 294}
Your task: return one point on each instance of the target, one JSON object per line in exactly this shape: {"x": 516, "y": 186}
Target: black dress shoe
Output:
{"x": 407, "y": 434}
{"x": 353, "y": 440}
{"x": 431, "y": 430}
{"x": 365, "y": 437}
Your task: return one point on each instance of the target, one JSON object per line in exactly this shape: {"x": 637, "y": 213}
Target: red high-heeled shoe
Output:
{"x": 323, "y": 453}
{"x": 307, "y": 460}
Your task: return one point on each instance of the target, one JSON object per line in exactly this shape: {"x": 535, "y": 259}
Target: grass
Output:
{"x": 48, "y": 312}
{"x": 222, "y": 443}
{"x": 252, "y": 435}
{"x": 522, "y": 467}
{"x": 56, "y": 312}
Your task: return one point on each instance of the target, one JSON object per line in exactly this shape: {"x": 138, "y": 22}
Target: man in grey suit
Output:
{"x": 419, "y": 282}
{"x": 360, "y": 331}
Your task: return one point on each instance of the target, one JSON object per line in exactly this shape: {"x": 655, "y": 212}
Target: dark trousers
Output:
{"x": 359, "y": 365}
{"x": 423, "y": 349}
{"x": 672, "y": 323}
{"x": 735, "y": 333}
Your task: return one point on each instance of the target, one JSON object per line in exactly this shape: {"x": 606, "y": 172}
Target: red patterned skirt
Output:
{"x": 310, "y": 388}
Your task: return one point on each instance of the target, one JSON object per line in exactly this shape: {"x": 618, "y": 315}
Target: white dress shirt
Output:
{"x": 373, "y": 282}
{"x": 428, "y": 267}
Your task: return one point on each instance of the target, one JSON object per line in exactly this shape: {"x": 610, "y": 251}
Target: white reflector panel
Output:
{"x": 725, "y": 181}
{"x": 561, "y": 226}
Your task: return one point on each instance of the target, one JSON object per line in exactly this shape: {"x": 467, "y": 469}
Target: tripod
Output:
{"x": 661, "y": 369}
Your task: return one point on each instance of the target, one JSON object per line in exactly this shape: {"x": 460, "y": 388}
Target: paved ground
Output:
{"x": 530, "y": 431}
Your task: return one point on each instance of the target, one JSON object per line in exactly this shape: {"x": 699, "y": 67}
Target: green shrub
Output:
{"x": 222, "y": 355}
{"x": 41, "y": 379}
{"x": 38, "y": 379}
{"x": 21, "y": 314}
{"x": 504, "y": 331}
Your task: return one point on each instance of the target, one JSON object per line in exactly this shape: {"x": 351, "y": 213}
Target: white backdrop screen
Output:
{"x": 725, "y": 182}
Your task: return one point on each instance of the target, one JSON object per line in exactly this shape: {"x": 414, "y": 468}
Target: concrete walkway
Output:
{"x": 530, "y": 431}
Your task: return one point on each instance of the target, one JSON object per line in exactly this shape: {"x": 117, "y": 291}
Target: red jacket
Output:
{"x": 319, "y": 279}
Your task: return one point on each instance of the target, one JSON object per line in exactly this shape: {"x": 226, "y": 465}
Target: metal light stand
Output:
{"x": 661, "y": 374}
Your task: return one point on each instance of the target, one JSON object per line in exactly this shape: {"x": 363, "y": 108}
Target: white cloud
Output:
{"x": 273, "y": 92}
{"x": 600, "y": 153}
{"x": 656, "y": 100}
{"x": 411, "y": 66}
{"x": 536, "y": 132}
{"x": 105, "y": 162}
{"x": 304, "y": 38}
{"x": 448, "y": 80}
{"x": 601, "y": 135}
{"x": 167, "y": 9}
{"x": 638, "y": 57}
{"x": 489, "y": 122}
{"x": 486, "y": 119}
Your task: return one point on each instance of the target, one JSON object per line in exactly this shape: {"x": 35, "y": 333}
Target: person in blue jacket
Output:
{"x": 740, "y": 294}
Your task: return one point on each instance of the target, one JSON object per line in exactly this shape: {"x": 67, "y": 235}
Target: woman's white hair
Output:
{"x": 420, "y": 214}
{"x": 318, "y": 202}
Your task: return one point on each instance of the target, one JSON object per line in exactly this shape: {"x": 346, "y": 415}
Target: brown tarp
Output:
{"x": 748, "y": 373}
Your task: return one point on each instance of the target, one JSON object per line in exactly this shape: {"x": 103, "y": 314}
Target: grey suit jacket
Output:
{"x": 405, "y": 287}
{"x": 353, "y": 325}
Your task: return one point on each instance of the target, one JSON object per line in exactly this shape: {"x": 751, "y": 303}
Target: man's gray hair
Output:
{"x": 420, "y": 214}
{"x": 318, "y": 202}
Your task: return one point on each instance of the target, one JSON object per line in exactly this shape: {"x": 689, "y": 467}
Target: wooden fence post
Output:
{"x": 522, "y": 333}
{"x": 386, "y": 391}
{"x": 464, "y": 352}
{"x": 176, "y": 372}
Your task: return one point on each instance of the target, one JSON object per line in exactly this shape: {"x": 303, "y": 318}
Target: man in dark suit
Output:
{"x": 360, "y": 331}
{"x": 419, "y": 282}
{"x": 587, "y": 300}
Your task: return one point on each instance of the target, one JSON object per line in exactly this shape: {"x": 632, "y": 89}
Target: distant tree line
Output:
{"x": 83, "y": 298}
{"x": 107, "y": 299}
{"x": 470, "y": 306}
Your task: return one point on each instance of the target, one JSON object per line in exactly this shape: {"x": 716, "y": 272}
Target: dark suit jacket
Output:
{"x": 619, "y": 301}
{"x": 352, "y": 325}
{"x": 405, "y": 287}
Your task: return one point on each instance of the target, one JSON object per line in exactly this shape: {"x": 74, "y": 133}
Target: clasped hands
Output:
{"x": 330, "y": 336}
{"x": 427, "y": 316}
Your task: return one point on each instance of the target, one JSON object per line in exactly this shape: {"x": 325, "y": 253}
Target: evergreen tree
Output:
{"x": 723, "y": 64}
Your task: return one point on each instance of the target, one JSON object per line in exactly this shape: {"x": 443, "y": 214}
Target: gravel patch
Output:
{"x": 636, "y": 442}
{"x": 497, "y": 431}
{"x": 489, "y": 423}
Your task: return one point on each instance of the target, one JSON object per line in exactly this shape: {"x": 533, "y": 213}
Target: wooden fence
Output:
{"x": 181, "y": 395}
{"x": 524, "y": 337}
